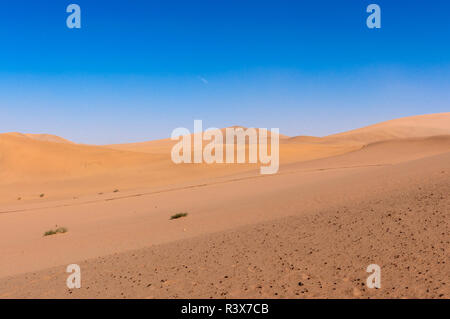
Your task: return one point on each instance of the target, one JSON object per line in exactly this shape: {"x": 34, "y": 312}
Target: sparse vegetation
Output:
{"x": 60, "y": 230}
{"x": 179, "y": 215}
{"x": 19, "y": 198}
{"x": 116, "y": 190}
{"x": 42, "y": 195}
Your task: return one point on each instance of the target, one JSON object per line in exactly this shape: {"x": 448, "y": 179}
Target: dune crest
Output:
{"x": 41, "y": 137}
{"x": 407, "y": 127}
{"x": 30, "y": 161}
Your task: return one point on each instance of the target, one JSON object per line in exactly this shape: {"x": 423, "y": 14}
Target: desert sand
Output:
{"x": 378, "y": 194}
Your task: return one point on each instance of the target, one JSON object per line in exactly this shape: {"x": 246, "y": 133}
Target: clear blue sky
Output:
{"x": 138, "y": 69}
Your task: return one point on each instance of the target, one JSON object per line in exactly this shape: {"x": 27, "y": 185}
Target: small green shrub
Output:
{"x": 179, "y": 215}
{"x": 60, "y": 230}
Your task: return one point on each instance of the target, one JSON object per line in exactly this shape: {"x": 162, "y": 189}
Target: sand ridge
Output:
{"x": 31, "y": 165}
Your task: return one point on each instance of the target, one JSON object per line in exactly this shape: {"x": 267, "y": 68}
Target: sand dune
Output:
{"x": 41, "y": 137}
{"x": 30, "y": 158}
{"x": 30, "y": 167}
{"x": 165, "y": 145}
{"x": 385, "y": 153}
{"x": 372, "y": 195}
{"x": 35, "y": 164}
{"x": 407, "y": 127}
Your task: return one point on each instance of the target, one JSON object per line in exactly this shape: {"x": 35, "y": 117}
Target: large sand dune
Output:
{"x": 373, "y": 195}
{"x": 408, "y": 127}
{"x": 40, "y": 137}
{"x": 414, "y": 126}
{"x": 35, "y": 164}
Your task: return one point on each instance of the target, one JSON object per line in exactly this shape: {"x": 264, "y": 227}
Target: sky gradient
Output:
{"x": 138, "y": 69}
